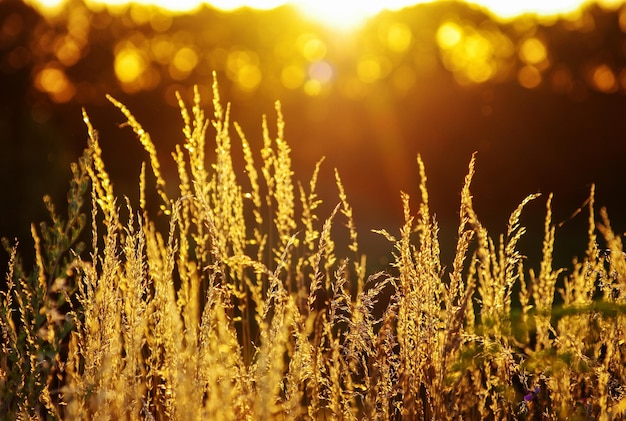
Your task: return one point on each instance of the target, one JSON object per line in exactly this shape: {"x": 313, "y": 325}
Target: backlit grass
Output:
{"x": 247, "y": 307}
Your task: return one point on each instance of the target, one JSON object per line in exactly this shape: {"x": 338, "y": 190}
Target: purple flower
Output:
{"x": 532, "y": 394}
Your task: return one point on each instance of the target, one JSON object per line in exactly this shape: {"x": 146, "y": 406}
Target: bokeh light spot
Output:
{"x": 129, "y": 64}
{"x": 533, "y": 51}
{"x": 242, "y": 67}
{"x": 622, "y": 79}
{"x": 11, "y": 26}
{"x": 469, "y": 53}
{"x": 529, "y": 77}
{"x": 622, "y": 19}
{"x": 477, "y": 47}
{"x": 67, "y": 51}
{"x": 368, "y": 69}
{"x": 249, "y": 77}
{"x": 312, "y": 87}
{"x": 321, "y": 71}
{"x": 79, "y": 25}
{"x": 480, "y": 71}
{"x": 312, "y": 48}
{"x": 320, "y": 74}
{"x": 292, "y": 76}
{"x": 448, "y": 35}
{"x": 603, "y": 79}
{"x": 372, "y": 68}
{"x": 399, "y": 37}
{"x": 162, "y": 49}
{"x": 161, "y": 22}
{"x": 239, "y": 58}
{"x": 140, "y": 14}
{"x": 185, "y": 59}
{"x": 53, "y": 81}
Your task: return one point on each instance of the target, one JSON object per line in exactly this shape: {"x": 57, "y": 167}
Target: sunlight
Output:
{"x": 318, "y": 60}
{"x": 337, "y": 14}
{"x": 506, "y": 10}
{"x": 351, "y": 15}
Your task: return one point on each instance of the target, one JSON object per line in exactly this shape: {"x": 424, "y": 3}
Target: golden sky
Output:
{"x": 346, "y": 15}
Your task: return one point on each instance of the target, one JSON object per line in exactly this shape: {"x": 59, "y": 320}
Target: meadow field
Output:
{"x": 240, "y": 298}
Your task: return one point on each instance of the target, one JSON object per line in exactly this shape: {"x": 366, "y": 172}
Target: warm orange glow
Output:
{"x": 472, "y": 54}
{"x": 183, "y": 62}
{"x": 603, "y": 79}
{"x": 162, "y": 49}
{"x": 53, "y": 80}
{"x": 533, "y": 51}
{"x": 511, "y": 9}
{"x": 399, "y": 37}
{"x": 403, "y": 78}
{"x": 311, "y": 47}
{"x": 449, "y": 35}
{"x": 339, "y": 14}
{"x": 317, "y": 61}
{"x": 529, "y": 77}
{"x": 130, "y": 63}
{"x": 351, "y": 14}
{"x": 242, "y": 67}
{"x": 371, "y": 68}
{"x": 320, "y": 74}
{"x": 292, "y": 76}
{"x": 562, "y": 80}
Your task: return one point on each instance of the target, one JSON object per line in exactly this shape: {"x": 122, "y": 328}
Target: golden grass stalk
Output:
{"x": 247, "y": 308}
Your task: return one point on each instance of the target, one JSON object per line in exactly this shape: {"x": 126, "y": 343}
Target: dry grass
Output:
{"x": 246, "y": 309}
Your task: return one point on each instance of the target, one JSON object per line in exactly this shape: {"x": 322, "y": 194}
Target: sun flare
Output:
{"x": 347, "y": 15}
